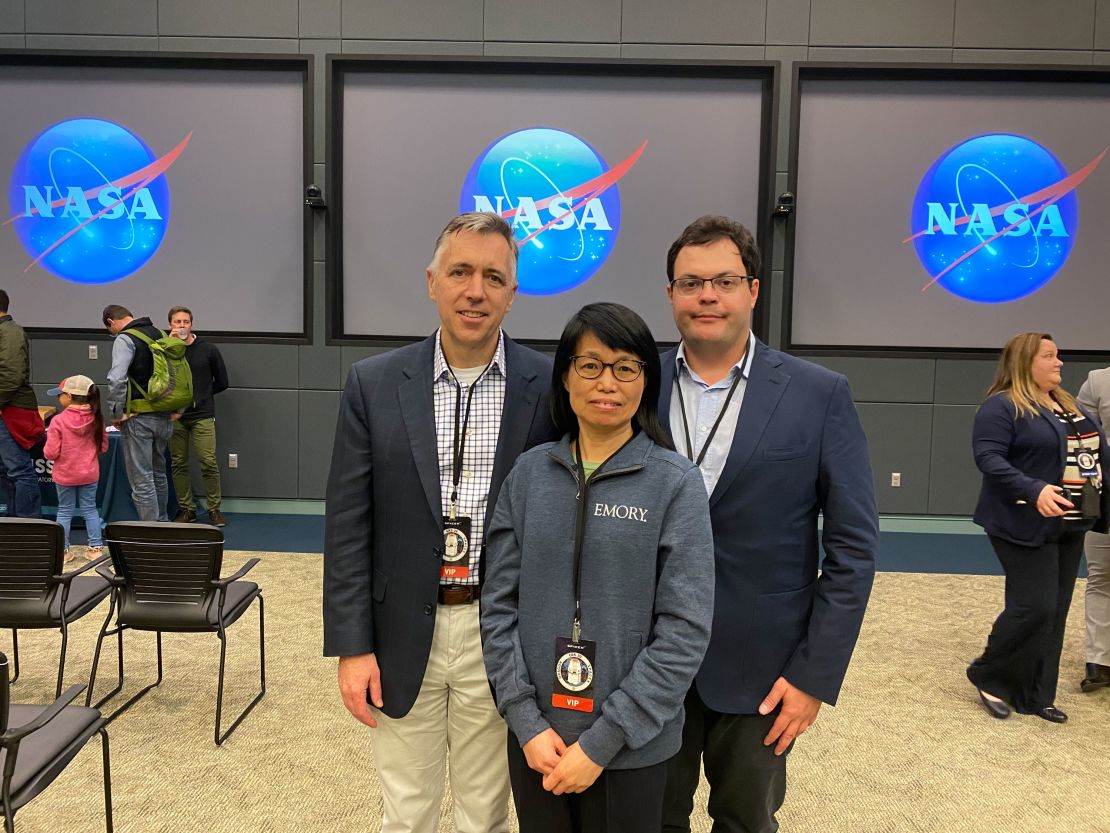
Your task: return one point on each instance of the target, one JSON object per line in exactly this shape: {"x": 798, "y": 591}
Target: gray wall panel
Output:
{"x": 1102, "y": 24}
{"x": 11, "y": 16}
{"x": 856, "y": 54}
{"x": 280, "y": 46}
{"x": 788, "y": 21}
{"x": 697, "y": 21}
{"x": 554, "y": 50}
{"x": 963, "y": 382}
{"x": 13, "y": 41}
{"x": 219, "y": 18}
{"x": 1019, "y": 24}
{"x": 321, "y": 18}
{"x": 261, "y": 426}
{"x": 319, "y": 367}
{"x": 261, "y": 365}
{"x": 690, "y": 51}
{"x": 596, "y": 21}
{"x": 319, "y": 49}
{"x": 890, "y": 23}
{"x": 884, "y": 380}
{"x": 93, "y": 17}
{"x": 898, "y": 438}
{"x": 1075, "y": 374}
{"x": 318, "y": 413}
{"x": 413, "y": 19}
{"x": 1021, "y": 56}
{"x": 411, "y": 47}
{"x": 54, "y": 359}
{"x": 954, "y": 480}
{"x": 112, "y": 43}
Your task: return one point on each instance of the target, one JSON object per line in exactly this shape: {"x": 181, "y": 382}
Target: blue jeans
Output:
{"x": 24, "y": 496}
{"x": 85, "y": 498}
{"x": 145, "y": 437}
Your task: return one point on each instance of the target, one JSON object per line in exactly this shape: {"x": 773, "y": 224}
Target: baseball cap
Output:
{"x": 78, "y": 385}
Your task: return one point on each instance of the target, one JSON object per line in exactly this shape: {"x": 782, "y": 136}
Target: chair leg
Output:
{"x": 107, "y": 783}
{"x": 15, "y": 652}
{"x": 118, "y": 631}
{"x": 142, "y": 692}
{"x": 262, "y": 675}
{"x": 62, "y": 660}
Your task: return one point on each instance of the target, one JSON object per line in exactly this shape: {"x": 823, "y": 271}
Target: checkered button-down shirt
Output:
{"x": 480, "y": 446}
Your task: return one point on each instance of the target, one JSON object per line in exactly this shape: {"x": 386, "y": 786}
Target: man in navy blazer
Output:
{"x": 426, "y": 434}
{"x": 780, "y": 445}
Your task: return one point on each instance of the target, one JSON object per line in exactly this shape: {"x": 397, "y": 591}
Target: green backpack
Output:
{"x": 171, "y": 383}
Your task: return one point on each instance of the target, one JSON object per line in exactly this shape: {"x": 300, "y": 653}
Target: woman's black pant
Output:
{"x": 1021, "y": 663}
{"x": 619, "y": 801}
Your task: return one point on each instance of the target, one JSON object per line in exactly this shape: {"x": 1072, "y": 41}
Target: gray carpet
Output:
{"x": 908, "y": 750}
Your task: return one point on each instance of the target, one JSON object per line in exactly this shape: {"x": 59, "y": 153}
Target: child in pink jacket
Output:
{"x": 75, "y": 438}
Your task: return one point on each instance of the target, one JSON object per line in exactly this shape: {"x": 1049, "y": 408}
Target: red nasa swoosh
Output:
{"x": 140, "y": 179}
{"x": 587, "y": 190}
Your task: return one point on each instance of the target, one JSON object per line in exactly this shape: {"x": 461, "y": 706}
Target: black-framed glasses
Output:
{"x": 724, "y": 284}
{"x": 624, "y": 370}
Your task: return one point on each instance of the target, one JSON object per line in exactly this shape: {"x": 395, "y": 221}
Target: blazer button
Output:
{"x": 427, "y": 610}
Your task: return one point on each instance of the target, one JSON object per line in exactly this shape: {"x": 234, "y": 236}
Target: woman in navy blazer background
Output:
{"x": 1028, "y": 439}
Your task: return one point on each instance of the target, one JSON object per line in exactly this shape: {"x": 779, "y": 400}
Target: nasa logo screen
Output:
{"x": 996, "y": 217}
{"x": 561, "y": 198}
{"x": 89, "y": 200}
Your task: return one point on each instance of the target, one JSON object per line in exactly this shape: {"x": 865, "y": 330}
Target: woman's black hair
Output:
{"x": 618, "y": 328}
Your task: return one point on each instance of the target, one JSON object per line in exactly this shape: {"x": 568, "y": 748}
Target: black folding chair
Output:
{"x": 167, "y": 579}
{"x": 34, "y": 592}
{"x": 38, "y": 742}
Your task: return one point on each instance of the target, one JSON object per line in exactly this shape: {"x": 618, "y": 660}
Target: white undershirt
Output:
{"x": 468, "y": 375}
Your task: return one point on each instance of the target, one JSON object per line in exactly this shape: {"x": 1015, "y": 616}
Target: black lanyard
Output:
{"x": 720, "y": 416}
{"x": 459, "y": 442}
{"x": 1078, "y": 437}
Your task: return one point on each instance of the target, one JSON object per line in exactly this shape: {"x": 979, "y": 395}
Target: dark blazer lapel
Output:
{"x": 765, "y": 387}
{"x": 666, "y": 389}
{"x": 522, "y": 394}
{"x": 419, "y": 416}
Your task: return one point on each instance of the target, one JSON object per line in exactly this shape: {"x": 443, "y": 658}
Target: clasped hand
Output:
{"x": 564, "y": 769}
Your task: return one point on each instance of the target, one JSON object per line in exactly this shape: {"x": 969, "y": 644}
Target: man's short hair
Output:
{"x": 482, "y": 222}
{"x": 4, "y": 300}
{"x": 175, "y": 310}
{"x": 710, "y": 229}
{"x": 114, "y": 312}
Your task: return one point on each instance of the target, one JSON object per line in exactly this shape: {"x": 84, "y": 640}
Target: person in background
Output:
{"x": 75, "y": 439}
{"x": 1094, "y": 396}
{"x": 1042, "y": 457}
{"x": 599, "y": 593}
{"x": 20, "y": 425}
{"x": 196, "y": 428}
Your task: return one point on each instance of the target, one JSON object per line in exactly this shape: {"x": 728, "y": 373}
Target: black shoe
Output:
{"x": 185, "y": 516}
{"x": 1051, "y": 714}
{"x": 995, "y": 708}
{"x": 1097, "y": 677}
{"x": 216, "y": 518}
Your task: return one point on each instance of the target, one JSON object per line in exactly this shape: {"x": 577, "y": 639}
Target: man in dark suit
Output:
{"x": 779, "y": 444}
{"x": 425, "y": 437}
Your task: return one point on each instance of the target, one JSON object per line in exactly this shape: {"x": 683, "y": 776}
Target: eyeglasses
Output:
{"x": 724, "y": 284}
{"x": 625, "y": 370}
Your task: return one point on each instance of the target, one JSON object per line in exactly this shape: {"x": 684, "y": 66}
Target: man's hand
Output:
{"x": 1051, "y": 502}
{"x": 544, "y": 751}
{"x": 175, "y": 416}
{"x": 358, "y": 675}
{"x": 799, "y": 711}
{"x": 574, "y": 773}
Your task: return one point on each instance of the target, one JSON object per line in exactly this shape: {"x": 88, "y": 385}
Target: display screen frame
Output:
{"x": 339, "y": 67}
{"x": 302, "y": 64}
{"x": 898, "y": 72}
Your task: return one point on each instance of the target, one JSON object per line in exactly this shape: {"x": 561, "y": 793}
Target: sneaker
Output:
{"x": 185, "y": 516}
{"x": 216, "y": 518}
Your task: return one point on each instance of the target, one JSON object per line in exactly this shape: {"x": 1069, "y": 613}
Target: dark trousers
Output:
{"x": 619, "y": 801}
{"x": 747, "y": 781}
{"x": 1021, "y": 663}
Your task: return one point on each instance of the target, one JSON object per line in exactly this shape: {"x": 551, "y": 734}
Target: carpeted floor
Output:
{"x": 908, "y": 750}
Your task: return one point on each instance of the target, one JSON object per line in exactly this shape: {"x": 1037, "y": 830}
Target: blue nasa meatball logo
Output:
{"x": 995, "y": 217}
{"x": 560, "y": 197}
{"x": 89, "y": 200}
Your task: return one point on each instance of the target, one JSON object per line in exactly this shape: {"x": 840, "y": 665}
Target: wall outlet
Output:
{"x": 896, "y": 478}
{"x": 93, "y": 351}
{"x": 233, "y": 461}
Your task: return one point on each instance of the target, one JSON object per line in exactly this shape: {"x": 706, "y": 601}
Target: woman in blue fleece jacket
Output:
{"x": 598, "y": 594}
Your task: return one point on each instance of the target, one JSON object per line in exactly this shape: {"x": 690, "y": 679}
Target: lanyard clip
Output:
{"x": 575, "y": 631}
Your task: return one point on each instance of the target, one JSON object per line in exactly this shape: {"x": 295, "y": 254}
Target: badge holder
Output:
{"x": 456, "y": 548}
{"x": 574, "y": 675}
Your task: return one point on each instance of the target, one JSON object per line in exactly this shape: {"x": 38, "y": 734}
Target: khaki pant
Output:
{"x": 1097, "y": 600}
{"x": 453, "y": 718}
{"x": 200, "y": 436}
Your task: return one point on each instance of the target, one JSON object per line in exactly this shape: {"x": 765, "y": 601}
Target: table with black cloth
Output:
{"x": 113, "y": 491}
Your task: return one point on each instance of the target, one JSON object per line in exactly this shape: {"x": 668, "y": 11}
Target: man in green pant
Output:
{"x": 196, "y": 429}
